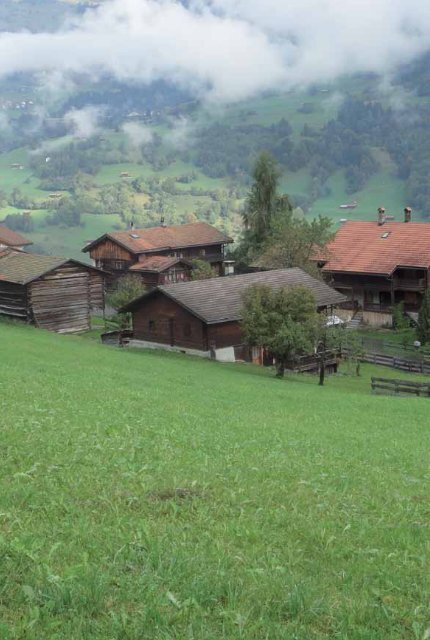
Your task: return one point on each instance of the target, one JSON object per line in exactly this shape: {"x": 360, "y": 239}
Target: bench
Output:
{"x": 393, "y": 386}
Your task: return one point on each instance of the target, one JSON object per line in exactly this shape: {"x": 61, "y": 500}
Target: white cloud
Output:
{"x": 4, "y": 122}
{"x": 83, "y": 122}
{"x": 180, "y": 133}
{"x": 137, "y": 134}
{"x": 227, "y": 50}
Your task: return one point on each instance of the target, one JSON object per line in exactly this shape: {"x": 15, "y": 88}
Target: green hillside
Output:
{"x": 382, "y": 188}
{"x": 150, "y": 495}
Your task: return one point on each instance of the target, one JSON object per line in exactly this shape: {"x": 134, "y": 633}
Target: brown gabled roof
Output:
{"x": 12, "y": 238}
{"x": 21, "y": 268}
{"x": 220, "y": 299}
{"x": 157, "y": 264}
{"x": 153, "y": 239}
{"x": 366, "y": 247}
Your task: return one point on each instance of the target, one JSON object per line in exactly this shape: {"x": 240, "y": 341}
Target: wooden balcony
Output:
{"x": 408, "y": 284}
{"x": 210, "y": 257}
{"x": 387, "y": 308}
{"x": 377, "y": 307}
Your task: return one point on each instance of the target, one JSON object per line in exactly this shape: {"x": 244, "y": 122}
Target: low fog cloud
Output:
{"x": 137, "y": 134}
{"x": 227, "y": 50}
{"x": 181, "y": 133}
{"x": 83, "y": 123}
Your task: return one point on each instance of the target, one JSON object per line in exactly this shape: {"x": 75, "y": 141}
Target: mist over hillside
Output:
{"x": 137, "y": 109}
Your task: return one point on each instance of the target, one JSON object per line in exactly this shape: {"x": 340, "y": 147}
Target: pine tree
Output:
{"x": 423, "y": 327}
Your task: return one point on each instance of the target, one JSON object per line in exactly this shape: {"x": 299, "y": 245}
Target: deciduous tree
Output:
{"x": 283, "y": 321}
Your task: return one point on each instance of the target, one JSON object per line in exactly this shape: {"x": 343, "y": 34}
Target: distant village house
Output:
{"x": 12, "y": 239}
{"x": 379, "y": 264}
{"x": 160, "y": 255}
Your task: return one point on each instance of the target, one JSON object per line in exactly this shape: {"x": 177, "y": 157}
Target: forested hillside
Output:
{"x": 100, "y": 153}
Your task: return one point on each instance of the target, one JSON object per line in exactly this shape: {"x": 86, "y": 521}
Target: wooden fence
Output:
{"x": 397, "y": 387}
{"x": 413, "y": 366}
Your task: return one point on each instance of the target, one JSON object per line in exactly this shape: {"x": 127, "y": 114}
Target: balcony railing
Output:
{"x": 378, "y": 307}
{"x": 408, "y": 284}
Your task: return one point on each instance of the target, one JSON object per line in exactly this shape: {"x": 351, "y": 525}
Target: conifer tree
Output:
{"x": 423, "y": 328}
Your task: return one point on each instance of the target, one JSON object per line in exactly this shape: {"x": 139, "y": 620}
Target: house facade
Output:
{"x": 160, "y": 254}
{"x": 204, "y": 317}
{"x": 377, "y": 265}
{"x": 51, "y": 293}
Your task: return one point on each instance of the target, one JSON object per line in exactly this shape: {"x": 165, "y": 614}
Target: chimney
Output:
{"x": 381, "y": 215}
{"x": 132, "y": 225}
{"x": 408, "y": 214}
{"x": 162, "y": 223}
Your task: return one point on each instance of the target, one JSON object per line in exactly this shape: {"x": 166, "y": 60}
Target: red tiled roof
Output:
{"x": 366, "y": 247}
{"x": 173, "y": 237}
{"x": 12, "y": 239}
{"x": 157, "y": 263}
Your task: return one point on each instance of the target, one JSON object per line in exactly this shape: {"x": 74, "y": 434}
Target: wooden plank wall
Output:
{"x": 13, "y": 300}
{"x": 108, "y": 250}
{"x": 97, "y": 291}
{"x": 60, "y": 301}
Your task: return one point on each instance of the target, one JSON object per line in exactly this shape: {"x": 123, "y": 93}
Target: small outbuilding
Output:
{"x": 203, "y": 316}
{"x": 52, "y": 293}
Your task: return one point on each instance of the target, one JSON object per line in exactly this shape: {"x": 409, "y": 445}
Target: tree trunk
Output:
{"x": 357, "y": 368}
{"x": 322, "y": 371}
{"x": 280, "y": 368}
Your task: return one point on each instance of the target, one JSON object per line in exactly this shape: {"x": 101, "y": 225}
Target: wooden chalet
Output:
{"x": 12, "y": 239}
{"x": 379, "y": 264}
{"x": 203, "y": 316}
{"x": 141, "y": 250}
{"x": 51, "y": 293}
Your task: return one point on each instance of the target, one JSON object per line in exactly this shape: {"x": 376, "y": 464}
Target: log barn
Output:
{"x": 161, "y": 254}
{"x": 52, "y": 293}
{"x": 203, "y": 316}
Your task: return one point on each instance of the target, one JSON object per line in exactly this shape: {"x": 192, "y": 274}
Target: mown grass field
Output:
{"x": 155, "y": 496}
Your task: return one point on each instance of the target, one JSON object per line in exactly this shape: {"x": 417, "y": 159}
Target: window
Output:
{"x": 151, "y": 325}
{"x": 186, "y": 330}
{"x": 202, "y": 252}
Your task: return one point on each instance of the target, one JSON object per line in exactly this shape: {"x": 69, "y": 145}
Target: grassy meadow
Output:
{"x": 147, "y": 495}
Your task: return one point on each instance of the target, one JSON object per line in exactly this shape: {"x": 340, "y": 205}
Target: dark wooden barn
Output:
{"x": 51, "y": 293}
{"x": 204, "y": 316}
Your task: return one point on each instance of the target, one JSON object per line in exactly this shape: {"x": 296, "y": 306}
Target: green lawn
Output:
{"x": 111, "y": 173}
{"x": 156, "y": 496}
{"x": 69, "y": 241}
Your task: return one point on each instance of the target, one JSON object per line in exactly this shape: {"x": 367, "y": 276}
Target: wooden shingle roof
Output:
{"x": 220, "y": 299}
{"x": 369, "y": 248}
{"x": 12, "y": 238}
{"x": 21, "y": 268}
{"x": 161, "y": 238}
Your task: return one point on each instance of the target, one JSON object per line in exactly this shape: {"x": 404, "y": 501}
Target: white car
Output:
{"x": 334, "y": 321}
